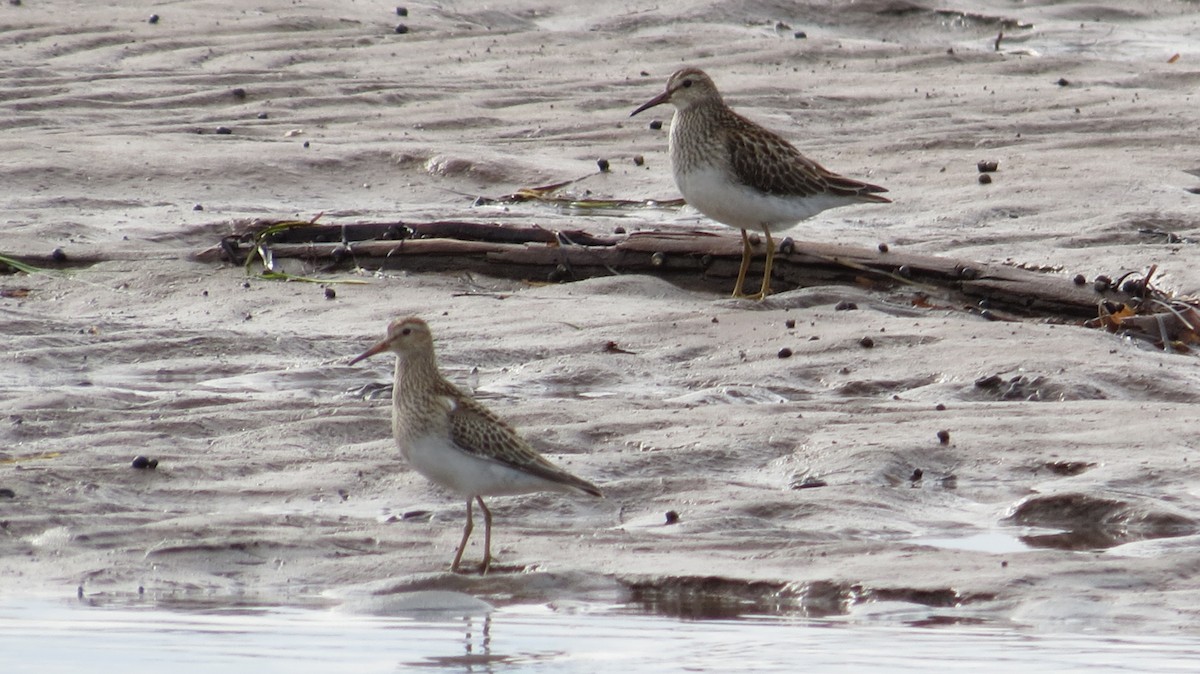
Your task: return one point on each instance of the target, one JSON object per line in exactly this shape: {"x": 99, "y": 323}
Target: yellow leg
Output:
{"x": 766, "y": 282}
{"x": 747, "y": 253}
{"x": 466, "y": 535}
{"x": 487, "y": 537}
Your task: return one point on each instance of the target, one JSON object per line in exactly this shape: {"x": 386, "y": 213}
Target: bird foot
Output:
{"x": 481, "y": 568}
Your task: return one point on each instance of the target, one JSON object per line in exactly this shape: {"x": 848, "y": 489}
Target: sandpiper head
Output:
{"x": 404, "y": 336}
{"x": 686, "y": 87}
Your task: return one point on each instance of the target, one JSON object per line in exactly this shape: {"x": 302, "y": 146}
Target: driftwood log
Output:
{"x": 696, "y": 259}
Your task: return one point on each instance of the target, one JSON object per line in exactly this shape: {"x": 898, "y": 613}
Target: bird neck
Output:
{"x": 416, "y": 375}
{"x": 695, "y": 134}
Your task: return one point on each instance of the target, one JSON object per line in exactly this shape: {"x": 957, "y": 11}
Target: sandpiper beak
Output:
{"x": 378, "y": 348}
{"x": 657, "y": 100}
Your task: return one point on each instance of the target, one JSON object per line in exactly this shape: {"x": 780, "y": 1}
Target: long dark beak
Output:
{"x": 657, "y": 100}
{"x": 378, "y": 348}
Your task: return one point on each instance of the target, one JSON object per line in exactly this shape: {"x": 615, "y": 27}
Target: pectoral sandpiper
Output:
{"x": 742, "y": 175}
{"x": 456, "y": 442}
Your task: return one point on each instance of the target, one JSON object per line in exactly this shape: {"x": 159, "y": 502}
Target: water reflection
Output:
{"x": 477, "y": 649}
{"x": 62, "y": 636}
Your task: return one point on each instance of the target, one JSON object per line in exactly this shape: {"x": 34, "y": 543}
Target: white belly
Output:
{"x": 708, "y": 191}
{"x": 469, "y": 475}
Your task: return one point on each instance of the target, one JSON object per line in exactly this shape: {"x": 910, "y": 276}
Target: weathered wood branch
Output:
{"x": 704, "y": 259}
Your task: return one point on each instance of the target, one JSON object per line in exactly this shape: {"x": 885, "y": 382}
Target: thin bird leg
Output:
{"x": 766, "y": 282}
{"x": 466, "y": 534}
{"x": 487, "y": 537}
{"x": 747, "y": 253}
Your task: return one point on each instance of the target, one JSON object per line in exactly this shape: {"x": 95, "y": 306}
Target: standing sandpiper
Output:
{"x": 456, "y": 442}
{"x": 742, "y": 175}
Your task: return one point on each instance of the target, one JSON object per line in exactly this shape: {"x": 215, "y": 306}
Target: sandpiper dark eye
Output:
{"x": 687, "y": 83}
{"x": 406, "y": 331}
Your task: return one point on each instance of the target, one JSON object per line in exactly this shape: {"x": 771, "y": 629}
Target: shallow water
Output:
{"x": 68, "y": 636}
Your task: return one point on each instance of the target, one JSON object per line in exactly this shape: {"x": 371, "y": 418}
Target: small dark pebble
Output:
{"x": 340, "y": 253}
{"x": 904, "y": 270}
{"x": 618, "y": 230}
{"x": 245, "y": 284}
{"x": 58, "y": 255}
{"x": 1079, "y": 280}
{"x": 883, "y": 247}
{"x": 706, "y": 261}
{"x": 603, "y": 164}
{"x": 992, "y": 381}
{"x": 306, "y": 144}
{"x": 224, "y": 130}
{"x": 866, "y": 342}
{"x": 968, "y": 273}
{"x": 940, "y": 407}
{"x": 239, "y": 93}
{"x": 658, "y": 259}
{"x": 142, "y": 463}
{"x": 985, "y": 304}
{"x": 755, "y": 239}
{"x": 785, "y": 352}
{"x": 656, "y": 124}
{"x": 987, "y": 315}
{"x": 330, "y": 293}
{"x": 401, "y": 29}
{"x": 787, "y": 246}
{"x": 790, "y": 323}
{"x": 1102, "y": 283}
{"x": 559, "y": 274}
{"x": 715, "y": 320}
{"x": 672, "y": 517}
{"x": 917, "y": 475}
{"x": 415, "y": 514}
{"x": 845, "y": 305}
{"x": 810, "y": 483}
{"x": 985, "y": 179}
{"x": 401, "y": 11}
{"x": 800, "y": 35}
{"x": 263, "y": 115}
{"x": 153, "y": 18}
{"x": 198, "y": 207}
{"x": 1134, "y": 286}
{"x": 1004, "y": 563}
{"x": 5, "y": 492}
{"x": 1062, "y": 82}
{"x": 943, "y": 437}
{"x": 638, "y": 160}
{"x": 987, "y": 165}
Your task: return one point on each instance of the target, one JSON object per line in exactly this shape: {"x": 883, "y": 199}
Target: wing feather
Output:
{"x": 767, "y": 162}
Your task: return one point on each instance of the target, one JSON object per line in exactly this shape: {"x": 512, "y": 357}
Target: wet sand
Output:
{"x": 277, "y": 478}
